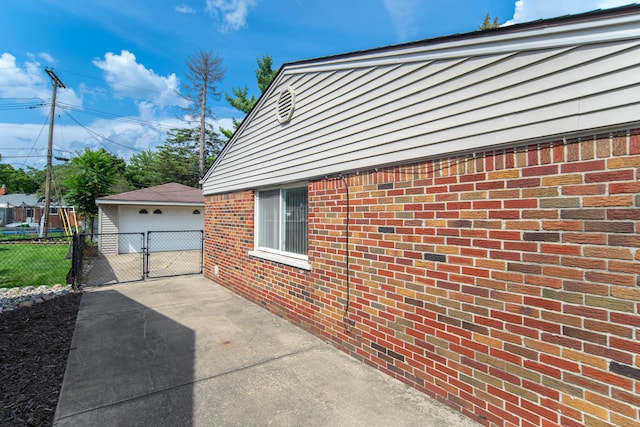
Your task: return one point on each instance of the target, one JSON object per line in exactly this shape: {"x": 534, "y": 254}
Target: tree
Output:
{"x": 265, "y": 72}
{"x": 59, "y": 174}
{"x": 92, "y": 175}
{"x": 488, "y": 24}
{"x": 121, "y": 184}
{"x": 17, "y": 180}
{"x": 240, "y": 99}
{"x": 178, "y": 159}
{"x": 142, "y": 169}
{"x": 204, "y": 71}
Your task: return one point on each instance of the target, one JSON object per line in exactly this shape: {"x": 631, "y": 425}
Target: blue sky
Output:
{"x": 123, "y": 61}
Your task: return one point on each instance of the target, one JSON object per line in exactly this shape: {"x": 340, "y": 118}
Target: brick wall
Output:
{"x": 504, "y": 284}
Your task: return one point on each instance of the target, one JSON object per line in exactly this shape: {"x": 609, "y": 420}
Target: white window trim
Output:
{"x": 287, "y": 258}
{"x": 282, "y": 258}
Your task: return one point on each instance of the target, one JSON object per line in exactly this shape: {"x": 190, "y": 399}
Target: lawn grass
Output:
{"x": 32, "y": 264}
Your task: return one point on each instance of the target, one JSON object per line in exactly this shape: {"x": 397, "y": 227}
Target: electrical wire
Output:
{"x": 96, "y": 135}
{"x": 111, "y": 83}
{"x": 110, "y": 116}
{"x": 348, "y": 324}
{"x": 36, "y": 140}
{"x": 22, "y": 104}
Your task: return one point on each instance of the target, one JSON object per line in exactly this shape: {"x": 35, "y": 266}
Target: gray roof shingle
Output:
{"x": 165, "y": 193}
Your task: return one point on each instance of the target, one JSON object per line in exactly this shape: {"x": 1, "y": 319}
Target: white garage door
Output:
{"x": 161, "y": 218}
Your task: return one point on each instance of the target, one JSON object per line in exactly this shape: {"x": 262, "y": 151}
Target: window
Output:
{"x": 157, "y": 212}
{"x": 53, "y": 211}
{"x": 143, "y": 212}
{"x": 282, "y": 225}
{"x": 196, "y": 212}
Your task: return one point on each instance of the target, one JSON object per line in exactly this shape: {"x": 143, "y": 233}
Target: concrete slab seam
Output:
{"x": 188, "y": 383}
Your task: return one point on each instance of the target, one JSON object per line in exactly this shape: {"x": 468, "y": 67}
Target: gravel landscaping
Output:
{"x": 36, "y": 328}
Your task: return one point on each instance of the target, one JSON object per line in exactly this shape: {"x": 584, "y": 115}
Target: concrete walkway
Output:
{"x": 188, "y": 352}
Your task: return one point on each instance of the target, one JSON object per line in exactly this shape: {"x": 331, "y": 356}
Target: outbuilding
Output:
{"x": 166, "y": 207}
{"x": 460, "y": 212}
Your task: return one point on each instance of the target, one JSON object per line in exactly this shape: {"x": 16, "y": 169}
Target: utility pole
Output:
{"x": 47, "y": 186}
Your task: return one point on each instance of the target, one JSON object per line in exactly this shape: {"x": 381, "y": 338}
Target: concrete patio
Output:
{"x": 186, "y": 351}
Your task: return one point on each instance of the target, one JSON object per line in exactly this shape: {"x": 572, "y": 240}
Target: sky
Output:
{"x": 123, "y": 61}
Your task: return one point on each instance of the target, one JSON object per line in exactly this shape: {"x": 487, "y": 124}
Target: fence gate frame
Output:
{"x": 153, "y": 264}
{"x": 149, "y": 252}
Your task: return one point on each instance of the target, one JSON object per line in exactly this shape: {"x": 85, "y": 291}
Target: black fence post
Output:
{"x": 145, "y": 255}
{"x": 201, "y": 251}
{"x": 76, "y": 259}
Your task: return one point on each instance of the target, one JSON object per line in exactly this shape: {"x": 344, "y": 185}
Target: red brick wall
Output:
{"x": 504, "y": 284}
{"x": 55, "y": 221}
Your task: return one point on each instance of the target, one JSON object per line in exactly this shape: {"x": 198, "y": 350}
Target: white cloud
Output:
{"x": 531, "y": 10}
{"x": 231, "y": 13}
{"x": 24, "y": 81}
{"x": 403, "y": 17}
{"x": 29, "y": 80}
{"x": 124, "y": 137}
{"x": 128, "y": 78}
{"x": 183, "y": 8}
{"x": 47, "y": 58}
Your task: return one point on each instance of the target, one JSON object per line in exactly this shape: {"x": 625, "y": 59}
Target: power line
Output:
{"x": 109, "y": 83}
{"x": 112, "y": 83}
{"x": 88, "y": 111}
{"x": 36, "y": 140}
{"x": 111, "y": 116}
{"x": 56, "y": 83}
{"x": 96, "y": 135}
{"x": 23, "y": 105}
{"x": 31, "y": 156}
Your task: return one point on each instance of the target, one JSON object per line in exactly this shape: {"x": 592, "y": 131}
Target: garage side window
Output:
{"x": 282, "y": 220}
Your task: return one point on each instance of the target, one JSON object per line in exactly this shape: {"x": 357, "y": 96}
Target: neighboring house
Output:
{"x": 28, "y": 209}
{"x": 461, "y": 213}
{"x": 167, "y": 207}
{"x": 19, "y": 208}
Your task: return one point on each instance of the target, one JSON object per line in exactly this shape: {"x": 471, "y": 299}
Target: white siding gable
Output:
{"x": 401, "y": 105}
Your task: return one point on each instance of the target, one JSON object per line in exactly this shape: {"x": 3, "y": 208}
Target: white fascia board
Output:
{"x": 621, "y": 28}
{"x": 139, "y": 203}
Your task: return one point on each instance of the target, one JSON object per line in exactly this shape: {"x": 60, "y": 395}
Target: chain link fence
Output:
{"x": 109, "y": 258}
{"x": 35, "y": 261}
{"x": 99, "y": 259}
{"x": 128, "y": 257}
{"x": 174, "y": 253}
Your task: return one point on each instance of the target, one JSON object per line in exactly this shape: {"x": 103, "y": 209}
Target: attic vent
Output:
{"x": 286, "y": 105}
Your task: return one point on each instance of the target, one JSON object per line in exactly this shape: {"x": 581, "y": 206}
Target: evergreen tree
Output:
{"x": 240, "y": 99}
{"x": 180, "y": 154}
{"x": 143, "y": 169}
{"x": 488, "y": 24}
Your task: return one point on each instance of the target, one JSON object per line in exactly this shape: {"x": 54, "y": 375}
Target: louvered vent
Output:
{"x": 286, "y": 105}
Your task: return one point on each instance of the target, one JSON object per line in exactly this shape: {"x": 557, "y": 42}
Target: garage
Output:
{"x": 163, "y": 216}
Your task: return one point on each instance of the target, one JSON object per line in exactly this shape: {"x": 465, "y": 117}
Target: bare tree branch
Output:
{"x": 204, "y": 73}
